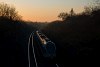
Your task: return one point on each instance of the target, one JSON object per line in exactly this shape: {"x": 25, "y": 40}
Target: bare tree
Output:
{"x": 9, "y": 12}
{"x": 63, "y": 15}
{"x": 72, "y": 13}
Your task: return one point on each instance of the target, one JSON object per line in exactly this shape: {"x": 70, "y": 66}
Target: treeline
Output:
{"x": 77, "y": 35}
{"x": 11, "y": 22}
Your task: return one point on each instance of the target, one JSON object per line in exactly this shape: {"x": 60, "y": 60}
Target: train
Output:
{"x": 48, "y": 47}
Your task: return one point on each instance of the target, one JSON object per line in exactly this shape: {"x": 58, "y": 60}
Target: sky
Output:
{"x": 45, "y": 10}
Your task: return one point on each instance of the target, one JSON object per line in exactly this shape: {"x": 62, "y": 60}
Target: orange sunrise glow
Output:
{"x": 45, "y": 10}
